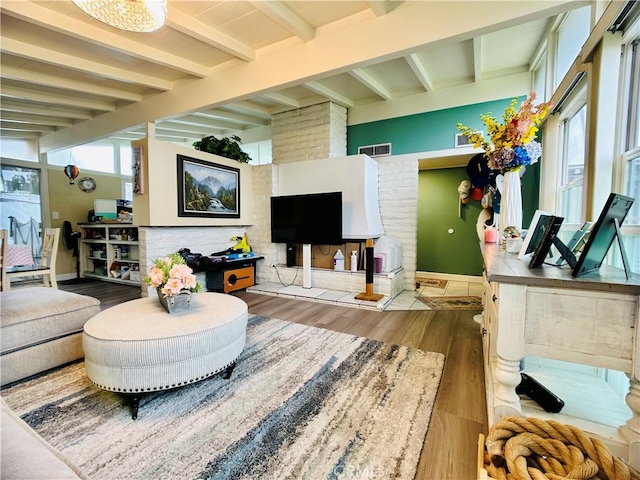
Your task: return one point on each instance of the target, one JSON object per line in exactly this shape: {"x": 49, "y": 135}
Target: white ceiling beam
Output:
{"x": 47, "y": 18}
{"x": 251, "y": 109}
{"x": 283, "y": 99}
{"x": 371, "y": 83}
{"x": 370, "y": 41}
{"x": 332, "y": 95}
{"x": 378, "y": 7}
{"x": 21, "y": 127}
{"x": 201, "y": 31}
{"x": 420, "y": 71}
{"x": 51, "y": 99}
{"x": 12, "y": 134}
{"x": 477, "y": 58}
{"x": 8, "y": 105}
{"x": 43, "y": 79}
{"x": 36, "y": 119}
{"x": 180, "y": 128}
{"x": 279, "y": 13}
{"x": 232, "y": 117}
{"x": 51, "y": 57}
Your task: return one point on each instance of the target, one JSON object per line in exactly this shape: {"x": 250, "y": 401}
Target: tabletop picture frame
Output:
{"x": 207, "y": 189}
{"x": 534, "y": 233}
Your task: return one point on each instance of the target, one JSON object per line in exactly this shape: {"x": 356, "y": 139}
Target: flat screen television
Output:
{"x": 314, "y": 218}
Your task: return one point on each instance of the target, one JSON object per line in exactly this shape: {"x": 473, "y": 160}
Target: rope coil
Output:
{"x": 535, "y": 449}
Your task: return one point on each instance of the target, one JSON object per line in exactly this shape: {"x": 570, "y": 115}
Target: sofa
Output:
{"x": 27, "y": 456}
{"x": 40, "y": 328}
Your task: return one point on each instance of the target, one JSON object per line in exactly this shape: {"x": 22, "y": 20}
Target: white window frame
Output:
{"x": 574, "y": 104}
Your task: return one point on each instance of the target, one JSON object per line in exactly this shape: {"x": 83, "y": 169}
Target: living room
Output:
{"x": 417, "y": 184}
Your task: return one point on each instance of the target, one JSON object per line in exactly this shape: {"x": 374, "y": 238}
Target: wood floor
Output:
{"x": 459, "y": 415}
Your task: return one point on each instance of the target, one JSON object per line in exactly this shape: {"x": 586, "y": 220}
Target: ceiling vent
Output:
{"x": 379, "y": 150}
{"x": 461, "y": 140}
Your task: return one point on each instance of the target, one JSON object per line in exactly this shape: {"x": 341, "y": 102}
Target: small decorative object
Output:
{"x": 512, "y": 146}
{"x": 225, "y": 147}
{"x": 490, "y": 234}
{"x": 71, "y": 171}
{"x": 513, "y": 239}
{"x": 138, "y": 170}
{"x": 174, "y": 282}
{"x": 87, "y": 184}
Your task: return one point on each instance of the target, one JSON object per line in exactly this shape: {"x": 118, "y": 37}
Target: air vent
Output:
{"x": 379, "y": 150}
{"x": 462, "y": 140}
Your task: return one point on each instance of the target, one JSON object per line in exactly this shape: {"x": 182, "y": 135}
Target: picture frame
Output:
{"x": 138, "y": 170}
{"x": 550, "y": 230}
{"x": 207, "y": 190}
{"x": 603, "y": 233}
{"x": 534, "y": 233}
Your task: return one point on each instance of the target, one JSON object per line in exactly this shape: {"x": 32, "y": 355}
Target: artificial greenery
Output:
{"x": 225, "y": 147}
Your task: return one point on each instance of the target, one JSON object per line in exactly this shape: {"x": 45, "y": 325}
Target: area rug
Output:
{"x": 303, "y": 403}
{"x": 431, "y": 282}
{"x": 452, "y": 303}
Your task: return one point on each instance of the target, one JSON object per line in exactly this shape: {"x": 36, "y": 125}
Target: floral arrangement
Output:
{"x": 170, "y": 275}
{"x": 513, "y": 143}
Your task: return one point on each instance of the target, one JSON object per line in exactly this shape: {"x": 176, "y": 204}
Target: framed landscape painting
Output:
{"x": 207, "y": 189}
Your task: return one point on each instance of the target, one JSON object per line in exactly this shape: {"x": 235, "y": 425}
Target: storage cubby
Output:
{"x": 110, "y": 252}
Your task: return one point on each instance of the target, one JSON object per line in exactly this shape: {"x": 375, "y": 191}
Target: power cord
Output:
{"x": 280, "y": 279}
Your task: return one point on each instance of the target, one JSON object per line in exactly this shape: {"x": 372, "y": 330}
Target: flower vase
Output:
{"x": 510, "y": 203}
{"x": 180, "y": 302}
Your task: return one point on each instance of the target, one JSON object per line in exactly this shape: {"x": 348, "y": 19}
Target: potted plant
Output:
{"x": 225, "y": 147}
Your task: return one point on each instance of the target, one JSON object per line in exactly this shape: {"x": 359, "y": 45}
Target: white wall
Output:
{"x": 158, "y": 206}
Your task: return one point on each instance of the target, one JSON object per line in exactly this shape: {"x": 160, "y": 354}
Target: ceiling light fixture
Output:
{"x": 131, "y": 15}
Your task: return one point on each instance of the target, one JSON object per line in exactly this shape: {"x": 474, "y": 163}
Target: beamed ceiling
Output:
{"x": 223, "y": 67}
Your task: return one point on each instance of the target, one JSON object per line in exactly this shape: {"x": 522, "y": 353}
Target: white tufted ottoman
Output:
{"x": 137, "y": 347}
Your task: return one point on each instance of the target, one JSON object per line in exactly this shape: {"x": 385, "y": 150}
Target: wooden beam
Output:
{"x": 9, "y": 105}
{"x": 477, "y": 58}
{"x": 278, "y": 12}
{"x": 371, "y": 83}
{"x": 51, "y": 99}
{"x": 52, "y": 57}
{"x": 36, "y": 119}
{"x": 332, "y": 95}
{"x": 44, "y": 17}
{"x": 420, "y": 71}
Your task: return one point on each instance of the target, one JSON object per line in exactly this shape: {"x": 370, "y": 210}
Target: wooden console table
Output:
{"x": 590, "y": 320}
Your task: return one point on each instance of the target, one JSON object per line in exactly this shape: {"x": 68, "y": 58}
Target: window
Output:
{"x": 573, "y": 163}
{"x": 126, "y": 162}
{"x": 19, "y": 149}
{"x": 572, "y": 34}
{"x": 95, "y": 156}
{"x": 629, "y": 163}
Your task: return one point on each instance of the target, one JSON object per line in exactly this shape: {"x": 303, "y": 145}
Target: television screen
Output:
{"x": 313, "y": 218}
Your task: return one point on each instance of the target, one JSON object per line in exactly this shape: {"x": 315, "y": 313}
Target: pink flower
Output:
{"x": 156, "y": 277}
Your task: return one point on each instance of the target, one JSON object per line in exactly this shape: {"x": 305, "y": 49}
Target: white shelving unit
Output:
{"x": 110, "y": 251}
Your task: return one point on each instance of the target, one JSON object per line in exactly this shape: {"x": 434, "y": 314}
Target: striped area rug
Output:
{"x": 303, "y": 403}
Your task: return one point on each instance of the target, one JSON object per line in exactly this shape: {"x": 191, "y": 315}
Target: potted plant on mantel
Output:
{"x": 225, "y": 147}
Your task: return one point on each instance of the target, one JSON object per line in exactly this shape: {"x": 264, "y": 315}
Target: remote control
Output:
{"x": 539, "y": 394}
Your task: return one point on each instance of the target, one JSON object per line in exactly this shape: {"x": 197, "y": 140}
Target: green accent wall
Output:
{"x": 438, "y": 251}
{"x": 422, "y": 132}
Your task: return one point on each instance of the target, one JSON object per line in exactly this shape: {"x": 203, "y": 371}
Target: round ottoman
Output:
{"x": 137, "y": 347}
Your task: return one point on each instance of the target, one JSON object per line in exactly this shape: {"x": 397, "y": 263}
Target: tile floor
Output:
{"x": 406, "y": 300}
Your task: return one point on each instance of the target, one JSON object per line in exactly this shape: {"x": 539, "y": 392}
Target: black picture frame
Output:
{"x": 207, "y": 189}
{"x": 603, "y": 233}
{"x": 551, "y": 228}
{"x": 534, "y": 232}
